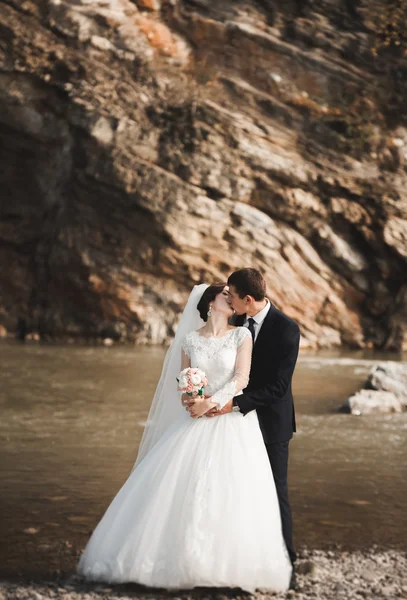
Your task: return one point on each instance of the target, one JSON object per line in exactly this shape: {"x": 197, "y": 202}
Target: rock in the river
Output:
{"x": 147, "y": 145}
{"x": 366, "y": 402}
{"x": 389, "y": 377}
{"x": 385, "y": 391}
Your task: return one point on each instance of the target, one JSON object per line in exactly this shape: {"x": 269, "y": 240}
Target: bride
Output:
{"x": 200, "y": 506}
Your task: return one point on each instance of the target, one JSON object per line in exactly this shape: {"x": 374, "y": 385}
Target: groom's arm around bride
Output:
{"x": 273, "y": 366}
{"x": 274, "y": 386}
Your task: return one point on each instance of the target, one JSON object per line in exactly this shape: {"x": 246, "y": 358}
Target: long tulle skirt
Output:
{"x": 199, "y": 510}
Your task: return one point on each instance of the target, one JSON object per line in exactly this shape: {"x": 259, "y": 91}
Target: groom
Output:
{"x": 276, "y": 340}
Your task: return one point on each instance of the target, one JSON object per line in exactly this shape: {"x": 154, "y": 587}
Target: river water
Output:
{"x": 72, "y": 419}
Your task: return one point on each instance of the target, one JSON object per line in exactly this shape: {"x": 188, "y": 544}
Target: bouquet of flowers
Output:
{"x": 192, "y": 381}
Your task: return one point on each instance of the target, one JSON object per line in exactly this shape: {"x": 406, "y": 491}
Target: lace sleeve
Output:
{"x": 185, "y": 345}
{"x": 185, "y": 354}
{"x": 241, "y": 373}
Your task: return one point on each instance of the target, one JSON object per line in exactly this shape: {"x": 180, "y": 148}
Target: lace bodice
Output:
{"x": 225, "y": 360}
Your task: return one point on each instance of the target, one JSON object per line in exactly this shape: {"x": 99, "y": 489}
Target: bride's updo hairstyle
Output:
{"x": 207, "y": 297}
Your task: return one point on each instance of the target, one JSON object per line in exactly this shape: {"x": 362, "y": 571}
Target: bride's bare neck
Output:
{"x": 216, "y": 325}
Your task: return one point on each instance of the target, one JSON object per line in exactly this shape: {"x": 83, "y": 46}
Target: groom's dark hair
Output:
{"x": 207, "y": 297}
{"x": 248, "y": 282}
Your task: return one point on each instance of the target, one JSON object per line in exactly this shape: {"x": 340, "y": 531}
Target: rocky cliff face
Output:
{"x": 150, "y": 145}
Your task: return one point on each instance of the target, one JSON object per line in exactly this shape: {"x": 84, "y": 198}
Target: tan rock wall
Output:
{"x": 149, "y": 146}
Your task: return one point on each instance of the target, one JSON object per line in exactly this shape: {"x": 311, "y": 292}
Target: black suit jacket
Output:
{"x": 269, "y": 391}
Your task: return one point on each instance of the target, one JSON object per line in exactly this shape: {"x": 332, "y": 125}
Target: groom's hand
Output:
{"x": 226, "y": 409}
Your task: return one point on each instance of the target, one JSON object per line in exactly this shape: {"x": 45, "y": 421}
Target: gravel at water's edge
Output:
{"x": 320, "y": 576}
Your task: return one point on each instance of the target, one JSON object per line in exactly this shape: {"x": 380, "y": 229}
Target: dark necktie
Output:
{"x": 251, "y": 322}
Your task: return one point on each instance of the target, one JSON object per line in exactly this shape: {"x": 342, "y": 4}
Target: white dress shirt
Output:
{"x": 258, "y": 319}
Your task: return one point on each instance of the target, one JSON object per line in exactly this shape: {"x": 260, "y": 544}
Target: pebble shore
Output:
{"x": 321, "y": 575}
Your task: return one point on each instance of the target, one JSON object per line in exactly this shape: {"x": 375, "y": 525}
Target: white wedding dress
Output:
{"x": 200, "y": 509}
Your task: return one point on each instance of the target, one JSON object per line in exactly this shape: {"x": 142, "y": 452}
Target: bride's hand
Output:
{"x": 185, "y": 399}
{"x": 199, "y": 406}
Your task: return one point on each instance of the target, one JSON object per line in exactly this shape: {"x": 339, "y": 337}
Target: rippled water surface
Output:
{"x": 71, "y": 422}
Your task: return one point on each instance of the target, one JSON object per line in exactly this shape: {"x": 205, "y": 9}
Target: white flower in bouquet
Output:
{"x": 183, "y": 382}
{"x": 195, "y": 379}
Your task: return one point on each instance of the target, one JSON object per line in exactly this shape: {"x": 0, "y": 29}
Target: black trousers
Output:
{"x": 278, "y": 456}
